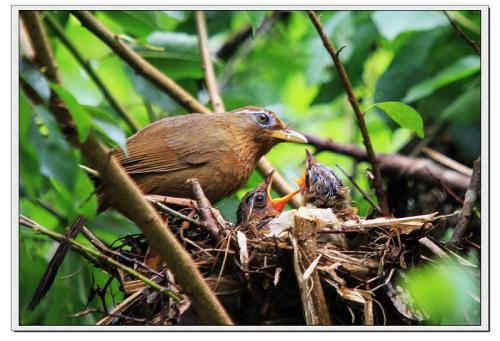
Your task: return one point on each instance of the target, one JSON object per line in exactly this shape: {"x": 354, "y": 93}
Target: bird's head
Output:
{"x": 265, "y": 126}
{"x": 259, "y": 204}
{"x": 318, "y": 178}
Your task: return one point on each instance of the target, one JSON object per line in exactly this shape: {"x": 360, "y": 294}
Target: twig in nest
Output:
{"x": 205, "y": 210}
{"x": 172, "y": 212}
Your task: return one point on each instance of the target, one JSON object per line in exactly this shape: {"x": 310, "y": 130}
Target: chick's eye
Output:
{"x": 263, "y": 118}
{"x": 259, "y": 199}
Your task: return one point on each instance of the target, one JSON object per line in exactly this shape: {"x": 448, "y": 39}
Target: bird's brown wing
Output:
{"x": 167, "y": 146}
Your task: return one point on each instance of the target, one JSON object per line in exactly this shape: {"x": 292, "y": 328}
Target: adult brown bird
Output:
{"x": 322, "y": 188}
{"x": 257, "y": 207}
{"x": 220, "y": 150}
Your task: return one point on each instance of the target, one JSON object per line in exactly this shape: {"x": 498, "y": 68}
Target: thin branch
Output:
{"x": 397, "y": 164}
{"x": 172, "y": 212}
{"x": 205, "y": 210}
{"x": 206, "y": 63}
{"x": 446, "y": 161}
{"x": 124, "y": 194}
{"x": 63, "y": 239}
{"x": 59, "y": 32}
{"x": 166, "y": 84}
{"x": 366, "y": 196}
{"x": 461, "y": 33}
{"x": 471, "y": 196}
{"x": 379, "y": 189}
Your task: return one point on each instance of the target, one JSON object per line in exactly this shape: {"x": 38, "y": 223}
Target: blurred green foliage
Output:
{"x": 411, "y": 58}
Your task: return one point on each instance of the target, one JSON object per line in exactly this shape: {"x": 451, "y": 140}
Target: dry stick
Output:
{"x": 206, "y": 63}
{"x": 124, "y": 193}
{"x": 166, "y": 84}
{"x": 397, "y": 164}
{"x": 61, "y": 238}
{"x": 58, "y": 31}
{"x": 461, "y": 33}
{"x": 304, "y": 254}
{"x": 379, "y": 190}
{"x": 447, "y": 161}
{"x": 471, "y": 196}
{"x": 205, "y": 210}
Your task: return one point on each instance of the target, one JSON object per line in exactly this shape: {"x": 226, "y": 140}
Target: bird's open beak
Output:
{"x": 289, "y": 136}
{"x": 279, "y": 203}
{"x": 301, "y": 182}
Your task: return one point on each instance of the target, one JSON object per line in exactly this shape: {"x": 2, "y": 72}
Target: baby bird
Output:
{"x": 258, "y": 207}
{"x": 322, "y": 188}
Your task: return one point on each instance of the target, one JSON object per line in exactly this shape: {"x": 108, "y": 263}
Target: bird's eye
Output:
{"x": 263, "y": 118}
{"x": 259, "y": 199}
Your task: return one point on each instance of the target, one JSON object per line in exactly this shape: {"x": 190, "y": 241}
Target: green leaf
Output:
{"x": 256, "y": 19}
{"x": 404, "y": 115}
{"x": 78, "y": 113}
{"x": 461, "y": 69}
{"x": 444, "y": 291}
{"x": 407, "y": 68}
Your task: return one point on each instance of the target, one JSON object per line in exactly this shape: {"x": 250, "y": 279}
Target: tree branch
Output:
{"x": 206, "y": 63}
{"x": 58, "y": 31}
{"x": 379, "y": 189}
{"x": 126, "y": 196}
{"x": 471, "y": 196}
{"x": 90, "y": 251}
{"x": 397, "y": 164}
{"x": 145, "y": 69}
{"x": 461, "y": 33}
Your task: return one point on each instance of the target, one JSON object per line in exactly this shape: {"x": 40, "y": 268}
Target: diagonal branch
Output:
{"x": 124, "y": 193}
{"x": 420, "y": 169}
{"x": 84, "y": 249}
{"x": 58, "y": 31}
{"x": 206, "y": 63}
{"x": 166, "y": 84}
{"x": 461, "y": 33}
{"x": 379, "y": 190}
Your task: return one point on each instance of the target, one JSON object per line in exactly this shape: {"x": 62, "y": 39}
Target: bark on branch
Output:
{"x": 126, "y": 196}
{"x": 377, "y": 182}
{"x": 472, "y": 194}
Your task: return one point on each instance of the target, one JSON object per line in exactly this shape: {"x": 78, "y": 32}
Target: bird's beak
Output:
{"x": 279, "y": 203}
{"x": 289, "y": 136}
{"x": 301, "y": 182}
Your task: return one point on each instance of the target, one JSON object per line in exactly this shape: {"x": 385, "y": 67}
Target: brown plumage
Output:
{"x": 322, "y": 188}
{"x": 220, "y": 150}
{"x": 257, "y": 207}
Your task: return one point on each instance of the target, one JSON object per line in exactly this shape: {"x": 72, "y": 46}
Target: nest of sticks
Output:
{"x": 306, "y": 266}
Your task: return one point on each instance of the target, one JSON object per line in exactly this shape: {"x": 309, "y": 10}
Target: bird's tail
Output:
{"x": 54, "y": 264}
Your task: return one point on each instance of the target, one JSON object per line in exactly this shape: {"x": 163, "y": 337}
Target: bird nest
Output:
{"x": 305, "y": 266}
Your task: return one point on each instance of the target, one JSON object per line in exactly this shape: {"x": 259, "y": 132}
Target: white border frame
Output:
{"x": 485, "y": 195}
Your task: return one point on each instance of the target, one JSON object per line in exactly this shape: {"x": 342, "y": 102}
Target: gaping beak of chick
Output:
{"x": 310, "y": 161}
{"x": 279, "y": 203}
{"x": 289, "y": 136}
